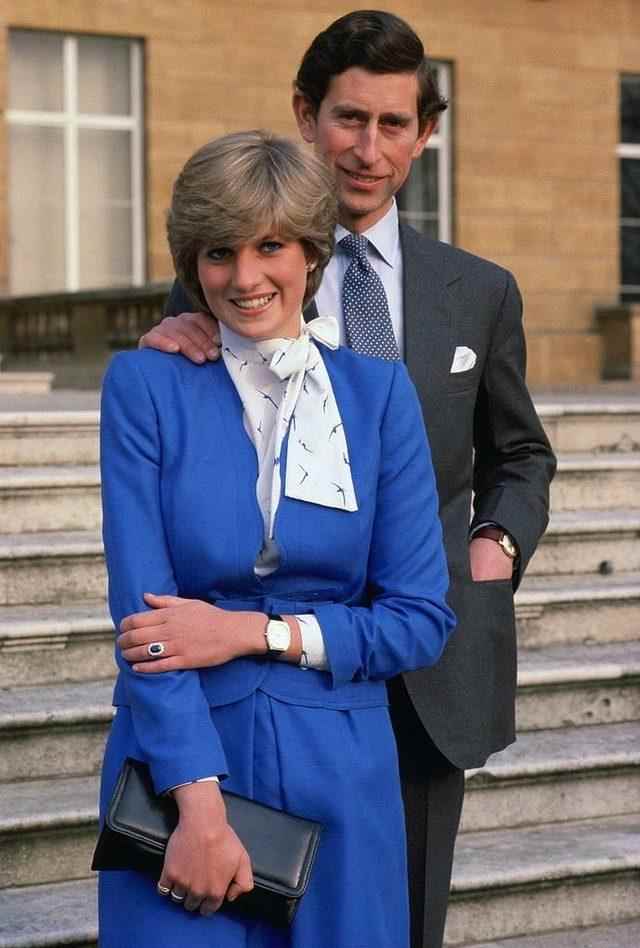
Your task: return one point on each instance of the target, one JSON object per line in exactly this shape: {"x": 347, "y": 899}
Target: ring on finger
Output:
{"x": 155, "y": 649}
{"x": 178, "y": 896}
{"x": 163, "y": 889}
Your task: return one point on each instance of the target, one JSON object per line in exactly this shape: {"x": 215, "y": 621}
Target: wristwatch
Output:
{"x": 502, "y": 538}
{"x": 278, "y": 636}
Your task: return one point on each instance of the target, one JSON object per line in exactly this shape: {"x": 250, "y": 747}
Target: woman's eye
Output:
{"x": 217, "y": 254}
{"x": 270, "y": 246}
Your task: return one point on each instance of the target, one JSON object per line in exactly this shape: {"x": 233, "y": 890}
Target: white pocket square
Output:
{"x": 463, "y": 359}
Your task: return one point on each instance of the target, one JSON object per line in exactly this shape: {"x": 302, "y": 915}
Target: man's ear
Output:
{"x": 305, "y": 114}
{"x": 424, "y": 137}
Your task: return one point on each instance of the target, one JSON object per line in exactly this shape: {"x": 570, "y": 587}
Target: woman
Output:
{"x": 283, "y": 503}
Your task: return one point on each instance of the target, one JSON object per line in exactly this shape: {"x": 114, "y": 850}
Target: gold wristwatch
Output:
{"x": 502, "y": 538}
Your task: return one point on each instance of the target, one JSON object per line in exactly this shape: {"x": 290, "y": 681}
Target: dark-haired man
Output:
{"x": 366, "y": 100}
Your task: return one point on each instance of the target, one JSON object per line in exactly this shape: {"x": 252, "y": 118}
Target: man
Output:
{"x": 366, "y": 100}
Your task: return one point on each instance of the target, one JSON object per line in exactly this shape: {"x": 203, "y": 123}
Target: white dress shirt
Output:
{"x": 385, "y": 256}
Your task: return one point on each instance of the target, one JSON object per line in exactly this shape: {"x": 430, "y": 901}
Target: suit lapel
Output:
{"x": 428, "y": 324}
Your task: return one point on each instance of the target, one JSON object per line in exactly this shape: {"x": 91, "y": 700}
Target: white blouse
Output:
{"x": 284, "y": 386}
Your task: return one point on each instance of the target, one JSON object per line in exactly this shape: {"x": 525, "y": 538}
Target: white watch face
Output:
{"x": 278, "y": 635}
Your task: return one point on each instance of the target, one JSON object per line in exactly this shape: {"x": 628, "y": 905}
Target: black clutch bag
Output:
{"x": 281, "y": 847}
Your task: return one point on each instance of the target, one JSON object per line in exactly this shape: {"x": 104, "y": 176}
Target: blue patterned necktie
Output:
{"x": 364, "y": 304}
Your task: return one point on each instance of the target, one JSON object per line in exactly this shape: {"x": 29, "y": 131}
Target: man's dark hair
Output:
{"x": 374, "y": 40}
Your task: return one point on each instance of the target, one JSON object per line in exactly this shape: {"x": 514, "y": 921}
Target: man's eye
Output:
{"x": 395, "y": 123}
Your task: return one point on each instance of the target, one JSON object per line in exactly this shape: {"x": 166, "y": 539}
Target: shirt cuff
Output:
{"x": 314, "y": 654}
{"x": 189, "y": 782}
{"x": 491, "y": 523}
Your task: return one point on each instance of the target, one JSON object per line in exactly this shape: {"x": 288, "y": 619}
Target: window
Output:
{"x": 425, "y": 200}
{"x": 76, "y": 218}
{"x": 629, "y": 155}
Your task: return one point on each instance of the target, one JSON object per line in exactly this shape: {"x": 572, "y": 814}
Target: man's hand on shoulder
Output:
{"x": 195, "y": 335}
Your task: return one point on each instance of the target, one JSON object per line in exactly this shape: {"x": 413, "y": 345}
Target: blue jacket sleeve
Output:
{"x": 408, "y": 621}
{"x": 170, "y": 714}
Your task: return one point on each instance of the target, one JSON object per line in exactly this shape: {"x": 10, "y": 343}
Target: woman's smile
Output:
{"x": 254, "y": 303}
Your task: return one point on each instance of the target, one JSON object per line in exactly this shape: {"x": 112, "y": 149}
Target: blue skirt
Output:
{"x": 338, "y": 767}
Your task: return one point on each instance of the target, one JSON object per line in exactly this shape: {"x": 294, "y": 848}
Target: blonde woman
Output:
{"x": 274, "y": 556}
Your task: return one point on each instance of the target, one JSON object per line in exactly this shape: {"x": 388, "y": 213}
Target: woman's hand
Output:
{"x": 194, "y": 634}
{"x": 205, "y": 861}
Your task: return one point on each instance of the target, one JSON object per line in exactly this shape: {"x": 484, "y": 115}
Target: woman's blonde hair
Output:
{"x": 244, "y": 184}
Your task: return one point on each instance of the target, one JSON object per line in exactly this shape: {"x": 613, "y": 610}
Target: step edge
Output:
{"x": 87, "y": 816}
{"x": 575, "y": 871}
{"x": 40, "y": 720}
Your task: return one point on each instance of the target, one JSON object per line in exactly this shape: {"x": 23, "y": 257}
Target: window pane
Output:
{"x": 425, "y": 223}
{"x": 36, "y": 209}
{"x": 105, "y": 208}
{"x": 630, "y": 187}
{"x": 630, "y": 246}
{"x": 632, "y": 296}
{"x": 630, "y": 110}
{"x": 103, "y": 76}
{"x": 35, "y": 71}
{"x": 420, "y": 191}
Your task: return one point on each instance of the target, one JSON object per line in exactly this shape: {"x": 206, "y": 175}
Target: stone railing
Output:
{"x": 74, "y": 334}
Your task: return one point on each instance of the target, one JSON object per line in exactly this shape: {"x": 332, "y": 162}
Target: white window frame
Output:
{"x": 71, "y": 121}
{"x": 440, "y": 141}
{"x": 628, "y": 150}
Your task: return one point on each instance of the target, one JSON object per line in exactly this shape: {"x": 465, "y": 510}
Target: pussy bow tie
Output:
{"x": 318, "y": 468}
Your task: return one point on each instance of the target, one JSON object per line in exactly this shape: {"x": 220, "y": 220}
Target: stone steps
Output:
{"x": 69, "y": 565}
{"x": 67, "y": 497}
{"x": 589, "y": 541}
{"x": 549, "y": 826}
{"x": 71, "y": 641}
{"x": 53, "y": 730}
{"x": 556, "y": 775}
{"x": 551, "y": 876}
{"x": 51, "y": 567}
{"x": 48, "y": 437}
{"x": 553, "y": 610}
{"x": 610, "y": 423}
{"x": 36, "y": 916}
{"x": 59, "y": 729}
{"x": 50, "y": 497}
{"x": 578, "y": 685}
{"x": 48, "y": 830}
{"x": 626, "y": 935}
{"x": 48, "y": 827}
{"x": 596, "y": 481}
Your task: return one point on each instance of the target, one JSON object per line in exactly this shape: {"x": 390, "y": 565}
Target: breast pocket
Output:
{"x": 464, "y": 370}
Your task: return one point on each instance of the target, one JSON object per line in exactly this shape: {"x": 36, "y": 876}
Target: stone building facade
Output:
{"x": 529, "y": 173}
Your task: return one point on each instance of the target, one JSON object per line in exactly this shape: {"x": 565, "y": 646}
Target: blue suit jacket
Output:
{"x": 181, "y": 517}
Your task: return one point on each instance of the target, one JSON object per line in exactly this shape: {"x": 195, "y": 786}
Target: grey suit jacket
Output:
{"x": 486, "y": 442}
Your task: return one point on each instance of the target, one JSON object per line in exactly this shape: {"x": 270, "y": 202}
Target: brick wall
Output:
{"x": 535, "y": 130}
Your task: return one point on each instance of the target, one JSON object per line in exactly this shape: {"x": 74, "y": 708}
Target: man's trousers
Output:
{"x": 433, "y": 791}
